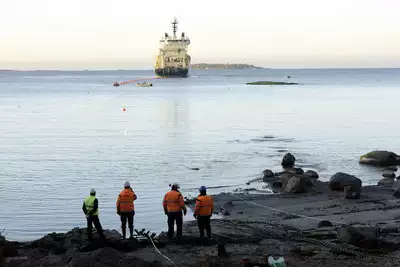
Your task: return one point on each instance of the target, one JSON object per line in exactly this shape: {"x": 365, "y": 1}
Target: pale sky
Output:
{"x": 113, "y": 34}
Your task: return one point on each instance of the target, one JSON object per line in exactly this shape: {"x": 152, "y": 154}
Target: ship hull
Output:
{"x": 172, "y": 72}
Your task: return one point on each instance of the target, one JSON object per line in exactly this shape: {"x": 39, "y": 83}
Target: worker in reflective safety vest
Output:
{"x": 203, "y": 211}
{"x": 173, "y": 206}
{"x": 126, "y": 208}
{"x": 91, "y": 209}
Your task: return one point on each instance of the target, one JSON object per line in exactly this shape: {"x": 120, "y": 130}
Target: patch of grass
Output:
{"x": 269, "y": 83}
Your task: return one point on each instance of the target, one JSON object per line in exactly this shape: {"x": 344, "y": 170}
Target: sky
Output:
{"x": 124, "y": 34}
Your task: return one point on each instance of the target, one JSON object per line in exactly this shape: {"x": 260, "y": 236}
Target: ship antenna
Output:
{"x": 175, "y": 26}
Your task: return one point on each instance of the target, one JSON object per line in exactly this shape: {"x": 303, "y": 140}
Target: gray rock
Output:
{"x": 380, "y": 158}
{"x": 285, "y": 177}
{"x": 295, "y": 170}
{"x": 396, "y": 194}
{"x": 387, "y": 182}
{"x": 296, "y": 184}
{"x": 268, "y": 174}
{"x": 352, "y": 192}
{"x": 391, "y": 168}
{"x": 398, "y": 177}
{"x": 288, "y": 160}
{"x": 364, "y": 238}
{"x": 324, "y": 224}
{"x": 312, "y": 174}
{"x": 389, "y": 174}
{"x": 340, "y": 180}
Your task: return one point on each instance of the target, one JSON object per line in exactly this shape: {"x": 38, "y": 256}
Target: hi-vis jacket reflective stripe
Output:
{"x": 173, "y": 201}
{"x": 125, "y": 201}
{"x": 89, "y": 204}
{"x": 204, "y": 205}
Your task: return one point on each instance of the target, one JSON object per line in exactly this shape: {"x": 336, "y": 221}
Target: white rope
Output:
{"x": 159, "y": 252}
{"x": 283, "y": 211}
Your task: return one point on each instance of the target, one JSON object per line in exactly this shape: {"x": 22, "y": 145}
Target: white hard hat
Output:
{"x": 127, "y": 184}
{"x": 92, "y": 191}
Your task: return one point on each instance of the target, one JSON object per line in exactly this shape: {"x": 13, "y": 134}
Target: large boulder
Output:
{"x": 389, "y": 174}
{"x": 295, "y": 170}
{"x": 76, "y": 239}
{"x": 380, "y": 158}
{"x": 297, "y": 184}
{"x": 312, "y": 174}
{"x": 288, "y": 160}
{"x": 387, "y": 182}
{"x": 268, "y": 175}
{"x": 340, "y": 180}
{"x": 391, "y": 168}
{"x": 285, "y": 177}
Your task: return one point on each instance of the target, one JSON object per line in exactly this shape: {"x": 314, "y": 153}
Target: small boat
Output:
{"x": 144, "y": 84}
{"x": 116, "y": 84}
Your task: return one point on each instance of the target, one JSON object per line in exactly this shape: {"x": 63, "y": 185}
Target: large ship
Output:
{"x": 173, "y": 59}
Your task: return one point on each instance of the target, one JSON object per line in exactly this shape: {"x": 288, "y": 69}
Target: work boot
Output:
{"x": 123, "y": 232}
{"x": 131, "y": 232}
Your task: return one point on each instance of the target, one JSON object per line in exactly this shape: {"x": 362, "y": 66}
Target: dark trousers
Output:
{"x": 127, "y": 216}
{"x": 94, "y": 219}
{"x": 172, "y": 217}
{"x": 204, "y": 223}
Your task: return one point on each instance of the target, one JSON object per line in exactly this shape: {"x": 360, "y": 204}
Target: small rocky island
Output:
{"x": 205, "y": 66}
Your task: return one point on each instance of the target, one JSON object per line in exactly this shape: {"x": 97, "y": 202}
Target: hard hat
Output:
{"x": 92, "y": 191}
{"x": 127, "y": 184}
{"x": 175, "y": 185}
{"x": 202, "y": 188}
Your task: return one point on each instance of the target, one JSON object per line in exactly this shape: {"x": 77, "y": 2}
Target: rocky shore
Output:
{"x": 308, "y": 222}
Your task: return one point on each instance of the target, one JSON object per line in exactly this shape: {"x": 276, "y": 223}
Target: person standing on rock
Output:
{"x": 203, "y": 211}
{"x": 91, "y": 209}
{"x": 126, "y": 208}
{"x": 174, "y": 204}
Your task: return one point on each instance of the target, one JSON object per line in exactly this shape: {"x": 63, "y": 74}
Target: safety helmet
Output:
{"x": 92, "y": 191}
{"x": 127, "y": 184}
{"x": 202, "y": 188}
{"x": 175, "y": 186}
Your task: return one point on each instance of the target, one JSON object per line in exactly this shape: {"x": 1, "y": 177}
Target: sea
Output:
{"x": 65, "y": 132}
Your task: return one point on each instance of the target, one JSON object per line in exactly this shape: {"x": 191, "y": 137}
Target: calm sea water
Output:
{"x": 63, "y": 133}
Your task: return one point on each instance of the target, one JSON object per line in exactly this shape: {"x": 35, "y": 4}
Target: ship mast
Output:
{"x": 175, "y": 27}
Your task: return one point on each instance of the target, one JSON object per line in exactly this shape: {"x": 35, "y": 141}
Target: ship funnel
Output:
{"x": 183, "y": 35}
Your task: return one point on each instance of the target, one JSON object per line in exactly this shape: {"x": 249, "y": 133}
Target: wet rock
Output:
{"x": 398, "y": 177}
{"x": 352, "y": 192}
{"x": 9, "y": 249}
{"x": 389, "y": 174}
{"x": 340, "y": 180}
{"x": 387, "y": 182}
{"x": 363, "y": 238}
{"x": 288, "y": 160}
{"x": 76, "y": 239}
{"x": 277, "y": 184}
{"x": 295, "y": 170}
{"x": 285, "y": 177}
{"x": 324, "y": 224}
{"x": 227, "y": 208}
{"x": 296, "y": 184}
{"x": 380, "y": 158}
{"x": 396, "y": 194}
{"x": 387, "y": 229}
{"x": 312, "y": 174}
{"x": 195, "y": 169}
{"x": 391, "y": 168}
{"x": 268, "y": 174}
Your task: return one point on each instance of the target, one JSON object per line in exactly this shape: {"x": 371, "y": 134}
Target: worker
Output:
{"x": 173, "y": 206}
{"x": 91, "y": 209}
{"x": 203, "y": 211}
{"x": 126, "y": 208}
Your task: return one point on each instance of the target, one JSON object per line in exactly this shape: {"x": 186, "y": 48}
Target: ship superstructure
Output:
{"x": 173, "y": 58}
